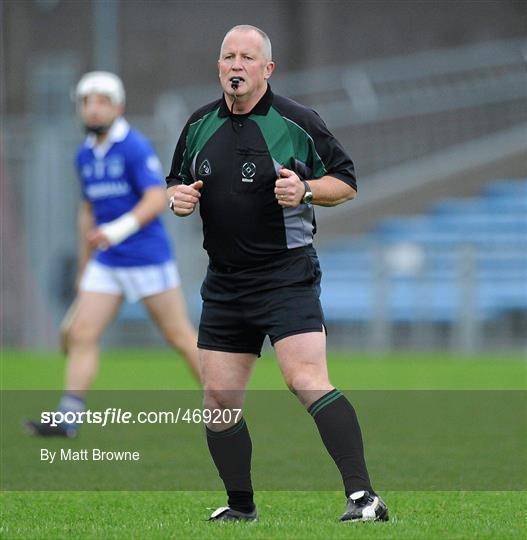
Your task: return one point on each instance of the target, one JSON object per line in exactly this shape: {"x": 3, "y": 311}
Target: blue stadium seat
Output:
{"x": 509, "y": 205}
{"x": 515, "y": 188}
{"x": 493, "y": 227}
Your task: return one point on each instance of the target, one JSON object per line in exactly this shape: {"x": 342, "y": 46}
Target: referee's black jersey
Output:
{"x": 238, "y": 158}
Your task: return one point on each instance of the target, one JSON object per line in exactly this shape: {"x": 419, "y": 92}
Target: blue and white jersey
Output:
{"x": 113, "y": 178}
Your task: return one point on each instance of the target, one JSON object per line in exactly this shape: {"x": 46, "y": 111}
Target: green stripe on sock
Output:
{"x": 321, "y": 406}
{"x": 228, "y": 432}
{"x": 323, "y": 399}
{"x": 323, "y": 402}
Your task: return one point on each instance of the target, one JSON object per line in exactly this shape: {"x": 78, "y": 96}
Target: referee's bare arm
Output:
{"x": 330, "y": 191}
{"x": 327, "y": 190}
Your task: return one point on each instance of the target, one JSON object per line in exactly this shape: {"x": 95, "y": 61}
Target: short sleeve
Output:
{"x": 180, "y": 170}
{"x": 329, "y": 156}
{"x": 147, "y": 170}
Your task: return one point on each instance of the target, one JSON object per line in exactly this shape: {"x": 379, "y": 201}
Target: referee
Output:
{"x": 257, "y": 163}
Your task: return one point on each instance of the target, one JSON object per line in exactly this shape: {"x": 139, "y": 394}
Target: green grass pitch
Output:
{"x": 294, "y": 514}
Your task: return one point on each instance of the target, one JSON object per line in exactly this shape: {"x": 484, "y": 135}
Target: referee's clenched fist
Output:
{"x": 183, "y": 198}
{"x": 289, "y": 189}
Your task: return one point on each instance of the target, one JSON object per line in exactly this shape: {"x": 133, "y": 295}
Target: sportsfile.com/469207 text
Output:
{"x": 113, "y": 415}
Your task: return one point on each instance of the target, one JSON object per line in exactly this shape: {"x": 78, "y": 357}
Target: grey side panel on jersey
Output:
{"x": 298, "y": 222}
{"x": 298, "y": 225}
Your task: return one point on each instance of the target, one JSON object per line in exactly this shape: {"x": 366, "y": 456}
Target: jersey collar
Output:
{"x": 261, "y": 108}
{"x": 118, "y": 132}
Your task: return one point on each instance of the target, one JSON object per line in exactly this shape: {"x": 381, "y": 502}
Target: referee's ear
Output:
{"x": 269, "y": 68}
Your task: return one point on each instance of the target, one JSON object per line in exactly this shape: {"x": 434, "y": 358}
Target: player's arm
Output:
{"x": 151, "y": 204}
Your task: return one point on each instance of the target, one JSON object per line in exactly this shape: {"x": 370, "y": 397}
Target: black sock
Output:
{"x": 231, "y": 451}
{"x": 339, "y": 428}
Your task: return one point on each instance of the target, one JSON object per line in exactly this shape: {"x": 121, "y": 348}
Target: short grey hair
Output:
{"x": 267, "y": 49}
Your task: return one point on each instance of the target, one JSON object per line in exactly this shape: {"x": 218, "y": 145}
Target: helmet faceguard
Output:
{"x": 102, "y": 83}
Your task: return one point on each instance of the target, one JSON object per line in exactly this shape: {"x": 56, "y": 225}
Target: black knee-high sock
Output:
{"x": 339, "y": 428}
{"x": 231, "y": 451}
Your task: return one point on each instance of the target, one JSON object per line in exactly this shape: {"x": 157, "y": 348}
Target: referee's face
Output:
{"x": 242, "y": 55}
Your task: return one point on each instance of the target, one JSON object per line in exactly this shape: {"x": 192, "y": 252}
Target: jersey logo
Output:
{"x": 87, "y": 171}
{"x": 105, "y": 190}
{"x": 154, "y": 165}
{"x": 205, "y": 169}
{"x": 248, "y": 171}
{"x": 115, "y": 166}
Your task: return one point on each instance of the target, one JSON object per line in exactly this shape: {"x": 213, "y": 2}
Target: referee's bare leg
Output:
{"x": 225, "y": 376}
{"x": 302, "y": 359}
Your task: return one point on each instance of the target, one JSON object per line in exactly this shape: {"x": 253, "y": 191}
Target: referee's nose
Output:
{"x": 237, "y": 63}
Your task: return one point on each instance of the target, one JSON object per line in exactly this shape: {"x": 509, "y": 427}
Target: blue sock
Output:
{"x": 71, "y": 403}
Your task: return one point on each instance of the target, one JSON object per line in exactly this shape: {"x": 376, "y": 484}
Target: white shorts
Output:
{"x": 132, "y": 282}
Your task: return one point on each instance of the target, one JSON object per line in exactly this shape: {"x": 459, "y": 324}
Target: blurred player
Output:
{"x": 124, "y": 248}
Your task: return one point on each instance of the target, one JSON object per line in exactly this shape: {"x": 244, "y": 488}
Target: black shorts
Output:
{"x": 280, "y": 298}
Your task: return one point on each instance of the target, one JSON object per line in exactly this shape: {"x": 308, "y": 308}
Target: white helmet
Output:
{"x": 101, "y": 82}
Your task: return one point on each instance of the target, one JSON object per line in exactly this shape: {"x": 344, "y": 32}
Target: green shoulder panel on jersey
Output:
{"x": 201, "y": 131}
{"x": 285, "y": 138}
{"x": 304, "y": 141}
{"x": 275, "y": 131}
